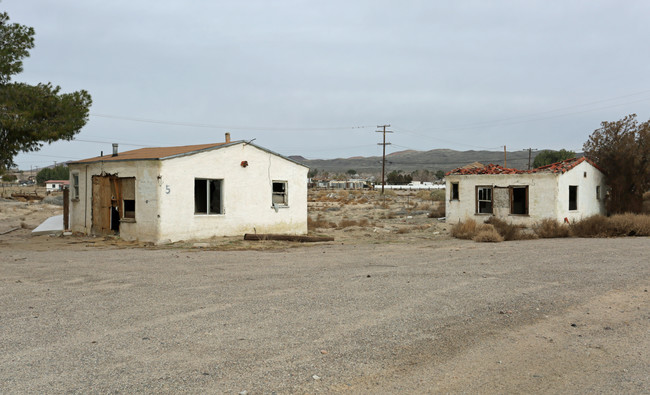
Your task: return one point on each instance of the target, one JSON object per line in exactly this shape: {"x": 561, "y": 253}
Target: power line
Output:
{"x": 211, "y": 126}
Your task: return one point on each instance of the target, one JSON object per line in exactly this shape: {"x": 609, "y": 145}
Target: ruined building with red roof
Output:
{"x": 568, "y": 190}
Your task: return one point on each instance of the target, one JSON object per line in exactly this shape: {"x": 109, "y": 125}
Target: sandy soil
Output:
{"x": 380, "y": 310}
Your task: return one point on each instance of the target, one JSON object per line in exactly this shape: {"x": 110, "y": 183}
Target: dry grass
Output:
{"x": 614, "y": 226}
{"x": 436, "y": 195}
{"x": 509, "y": 231}
{"x": 403, "y": 230}
{"x": 487, "y": 233}
{"x": 437, "y": 212}
{"x": 319, "y": 222}
{"x": 464, "y": 230}
{"x": 24, "y": 225}
{"x": 549, "y": 228}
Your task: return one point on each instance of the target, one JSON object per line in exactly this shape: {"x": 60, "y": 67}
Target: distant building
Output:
{"x": 56, "y": 185}
{"x": 571, "y": 189}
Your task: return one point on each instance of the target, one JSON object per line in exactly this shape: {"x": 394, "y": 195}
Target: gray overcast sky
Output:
{"x": 315, "y": 78}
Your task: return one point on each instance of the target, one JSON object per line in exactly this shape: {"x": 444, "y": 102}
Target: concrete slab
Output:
{"x": 50, "y": 225}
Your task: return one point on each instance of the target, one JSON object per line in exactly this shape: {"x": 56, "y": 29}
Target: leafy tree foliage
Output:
{"x": 32, "y": 115}
{"x": 546, "y": 157}
{"x": 622, "y": 150}
{"x": 395, "y": 178}
{"x": 59, "y": 172}
{"x": 351, "y": 172}
{"x": 440, "y": 174}
{"x": 312, "y": 173}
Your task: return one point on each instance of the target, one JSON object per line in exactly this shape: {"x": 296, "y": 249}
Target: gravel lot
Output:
{"x": 550, "y": 316}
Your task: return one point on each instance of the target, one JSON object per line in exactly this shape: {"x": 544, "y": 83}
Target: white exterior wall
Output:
{"x": 246, "y": 194}
{"x": 588, "y": 204}
{"x": 542, "y": 189}
{"x": 145, "y": 227}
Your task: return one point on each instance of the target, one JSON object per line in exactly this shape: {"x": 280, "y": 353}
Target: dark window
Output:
{"x": 279, "y": 196}
{"x": 207, "y": 196}
{"x": 127, "y": 192}
{"x": 598, "y": 192}
{"x": 454, "y": 191}
{"x": 519, "y": 200}
{"x": 573, "y": 197}
{"x": 129, "y": 208}
{"x": 484, "y": 200}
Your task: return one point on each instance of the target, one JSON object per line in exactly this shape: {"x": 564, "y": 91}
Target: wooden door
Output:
{"x": 101, "y": 205}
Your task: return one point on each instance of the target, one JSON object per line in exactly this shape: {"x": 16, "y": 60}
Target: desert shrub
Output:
{"x": 438, "y": 195}
{"x": 437, "y": 212}
{"x": 506, "y": 230}
{"x": 363, "y": 222}
{"x": 319, "y": 222}
{"x": 487, "y": 233}
{"x": 629, "y": 225}
{"x": 594, "y": 226}
{"x": 24, "y": 225}
{"x": 549, "y": 228}
{"x": 464, "y": 230}
{"x": 346, "y": 223}
{"x": 403, "y": 230}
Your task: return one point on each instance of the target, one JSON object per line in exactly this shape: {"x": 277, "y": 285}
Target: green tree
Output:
{"x": 351, "y": 172}
{"x": 622, "y": 150}
{"x": 395, "y": 178}
{"x": 31, "y": 115}
{"x": 440, "y": 174}
{"x": 546, "y": 157}
{"x": 59, "y": 172}
{"x": 312, "y": 173}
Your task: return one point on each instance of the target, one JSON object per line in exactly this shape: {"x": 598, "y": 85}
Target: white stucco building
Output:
{"x": 189, "y": 192}
{"x": 571, "y": 189}
{"x": 56, "y": 185}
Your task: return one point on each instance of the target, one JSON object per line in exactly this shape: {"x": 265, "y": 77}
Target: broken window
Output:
{"x": 484, "y": 200}
{"x": 279, "y": 195}
{"x": 454, "y": 191}
{"x": 207, "y": 196}
{"x": 573, "y": 197}
{"x": 75, "y": 186}
{"x": 519, "y": 200}
{"x": 128, "y": 197}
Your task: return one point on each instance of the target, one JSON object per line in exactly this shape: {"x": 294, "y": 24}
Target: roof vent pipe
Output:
{"x": 114, "y": 149}
{"x": 227, "y": 137}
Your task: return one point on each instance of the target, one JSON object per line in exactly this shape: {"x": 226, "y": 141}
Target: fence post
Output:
{"x": 66, "y": 208}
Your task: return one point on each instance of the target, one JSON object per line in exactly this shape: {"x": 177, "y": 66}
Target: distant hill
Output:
{"x": 410, "y": 160}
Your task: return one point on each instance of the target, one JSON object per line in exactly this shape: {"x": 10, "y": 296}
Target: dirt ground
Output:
{"x": 392, "y": 305}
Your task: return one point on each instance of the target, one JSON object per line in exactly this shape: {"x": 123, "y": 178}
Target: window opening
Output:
{"x": 128, "y": 197}
{"x": 454, "y": 191}
{"x": 573, "y": 197}
{"x": 519, "y": 200}
{"x": 597, "y": 192}
{"x": 75, "y": 185}
{"x": 279, "y": 196}
{"x": 207, "y": 196}
{"x": 484, "y": 200}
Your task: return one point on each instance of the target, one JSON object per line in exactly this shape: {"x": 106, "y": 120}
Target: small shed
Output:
{"x": 572, "y": 189}
{"x": 167, "y": 194}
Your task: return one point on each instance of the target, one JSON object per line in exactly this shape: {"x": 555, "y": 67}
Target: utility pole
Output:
{"x": 383, "y": 162}
{"x": 505, "y": 157}
{"x": 530, "y": 153}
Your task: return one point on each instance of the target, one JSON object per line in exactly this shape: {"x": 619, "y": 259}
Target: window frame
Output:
{"x": 124, "y": 214}
{"x": 284, "y": 194}
{"x": 598, "y": 192}
{"x": 75, "y": 186}
{"x": 208, "y": 181}
{"x": 512, "y": 199}
{"x": 455, "y": 191}
{"x": 478, "y": 200}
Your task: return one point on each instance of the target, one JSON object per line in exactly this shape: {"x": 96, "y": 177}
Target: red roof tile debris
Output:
{"x": 557, "y": 168}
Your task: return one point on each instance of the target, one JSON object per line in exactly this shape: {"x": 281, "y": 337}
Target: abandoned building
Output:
{"x": 169, "y": 194}
{"x": 571, "y": 190}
